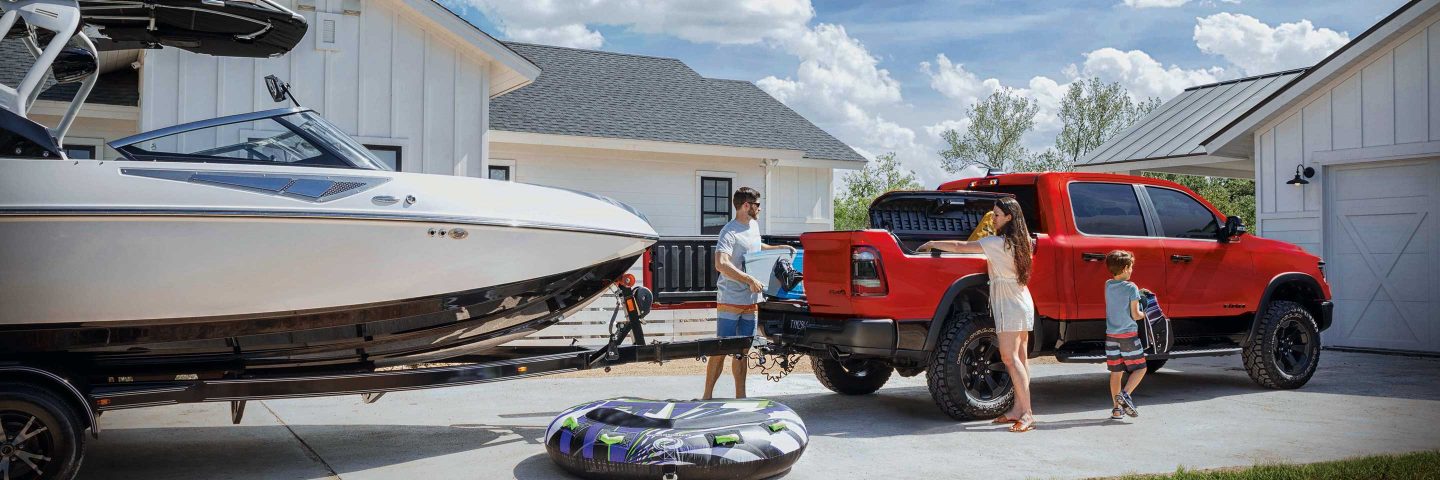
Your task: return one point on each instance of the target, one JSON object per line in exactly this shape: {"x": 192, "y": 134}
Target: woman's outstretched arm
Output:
{"x": 952, "y": 246}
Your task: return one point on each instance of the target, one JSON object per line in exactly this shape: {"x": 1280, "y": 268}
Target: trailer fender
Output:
{"x": 942, "y": 312}
{"x": 58, "y": 384}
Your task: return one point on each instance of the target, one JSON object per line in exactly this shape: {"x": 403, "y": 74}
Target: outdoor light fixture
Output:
{"x": 1302, "y": 172}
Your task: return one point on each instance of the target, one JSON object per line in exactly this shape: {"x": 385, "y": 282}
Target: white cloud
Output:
{"x": 955, "y": 82}
{"x": 1155, "y": 3}
{"x": 1143, "y": 76}
{"x": 573, "y": 35}
{"x": 1258, "y": 48}
{"x": 703, "y": 21}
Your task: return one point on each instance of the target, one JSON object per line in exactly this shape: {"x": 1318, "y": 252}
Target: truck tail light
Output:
{"x": 867, "y": 276}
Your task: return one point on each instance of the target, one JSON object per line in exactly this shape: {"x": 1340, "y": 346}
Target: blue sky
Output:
{"x": 889, "y": 76}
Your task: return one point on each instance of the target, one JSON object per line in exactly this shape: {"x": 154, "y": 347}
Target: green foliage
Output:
{"x": 1418, "y": 465}
{"x": 1232, "y": 196}
{"x": 992, "y": 139}
{"x": 884, "y": 174}
{"x": 1092, "y": 112}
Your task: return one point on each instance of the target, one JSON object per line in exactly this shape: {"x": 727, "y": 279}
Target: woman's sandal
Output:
{"x": 1021, "y": 427}
{"x": 1117, "y": 414}
{"x": 1002, "y": 419}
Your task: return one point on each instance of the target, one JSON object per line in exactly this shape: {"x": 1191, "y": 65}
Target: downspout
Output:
{"x": 765, "y": 213}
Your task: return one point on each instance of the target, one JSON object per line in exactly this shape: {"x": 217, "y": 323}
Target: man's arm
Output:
{"x": 777, "y": 247}
{"x": 722, "y": 263}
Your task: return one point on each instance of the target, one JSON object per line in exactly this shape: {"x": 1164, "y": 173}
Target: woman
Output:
{"x": 1009, "y": 254}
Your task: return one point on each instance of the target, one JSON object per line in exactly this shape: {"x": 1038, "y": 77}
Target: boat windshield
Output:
{"x": 287, "y": 137}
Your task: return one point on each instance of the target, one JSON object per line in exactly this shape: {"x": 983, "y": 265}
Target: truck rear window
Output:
{"x": 1029, "y": 202}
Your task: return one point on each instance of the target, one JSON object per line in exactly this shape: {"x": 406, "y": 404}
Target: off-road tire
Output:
{"x": 62, "y": 440}
{"x": 947, "y": 373}
{"x": 1283, "y": 322}
{"x": 851, "y": 377}
{"x": 1152, "y": 365}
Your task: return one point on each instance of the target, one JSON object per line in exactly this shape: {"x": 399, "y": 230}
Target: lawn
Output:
{"x": 1418, "y": 465}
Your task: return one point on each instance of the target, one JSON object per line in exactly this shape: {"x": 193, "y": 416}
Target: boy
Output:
{"x": 1123, "y": 352}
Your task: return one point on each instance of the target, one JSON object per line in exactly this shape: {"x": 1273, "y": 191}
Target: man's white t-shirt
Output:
{"x": 738, "y": 240}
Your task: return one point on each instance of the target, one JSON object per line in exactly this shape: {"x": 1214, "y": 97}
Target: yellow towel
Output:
{"x": 986, "y": 227}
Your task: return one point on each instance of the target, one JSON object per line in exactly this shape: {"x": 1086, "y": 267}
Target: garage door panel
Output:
{"x": 1381, "y": 244}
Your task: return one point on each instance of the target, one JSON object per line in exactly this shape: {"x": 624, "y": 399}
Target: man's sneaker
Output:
{"x": 1127, "y": 404}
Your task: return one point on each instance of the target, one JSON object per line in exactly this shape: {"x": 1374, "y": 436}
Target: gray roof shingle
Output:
{"x": 602, "y": 94}
{"x": 120, "y": 87}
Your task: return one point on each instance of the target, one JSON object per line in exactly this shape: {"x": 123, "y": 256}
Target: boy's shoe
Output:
{"x": 1116, "y": 414}
{"x": 1127, "y": 404}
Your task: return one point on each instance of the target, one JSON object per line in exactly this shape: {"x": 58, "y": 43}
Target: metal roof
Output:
{"x": 592, "y": 93}
{"x": 1179, "y": 126}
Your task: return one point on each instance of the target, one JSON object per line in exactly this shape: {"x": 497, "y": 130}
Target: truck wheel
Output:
{"x": 1286, "y": 348}
{"x": 42, "y": 435}
{"x": 1152, "y": 365}
{"x": 851, "y": 377}
{"x": 967, "y": 378}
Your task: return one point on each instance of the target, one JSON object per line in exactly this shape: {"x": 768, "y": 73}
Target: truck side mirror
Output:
{"x": 1233, "y": 227}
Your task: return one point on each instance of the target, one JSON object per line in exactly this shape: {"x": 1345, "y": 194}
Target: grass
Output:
{"x": 1418, "y": 465}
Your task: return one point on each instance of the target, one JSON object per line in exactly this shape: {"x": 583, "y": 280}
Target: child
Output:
{"x": 1123, "y": 352}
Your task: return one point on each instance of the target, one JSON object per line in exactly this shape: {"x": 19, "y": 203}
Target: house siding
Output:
{"x": 1390, "y": 98}
{"x": 414, "y": 89}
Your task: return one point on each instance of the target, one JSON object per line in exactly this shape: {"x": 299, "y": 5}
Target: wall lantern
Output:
{"x": 1302, "y": 172}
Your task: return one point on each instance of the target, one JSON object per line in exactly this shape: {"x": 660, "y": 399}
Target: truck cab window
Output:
{"x": 1182, "y": 216}
{"x": 1107, "y": 209}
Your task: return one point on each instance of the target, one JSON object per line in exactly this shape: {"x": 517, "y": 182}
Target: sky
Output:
{"x": 891, "y": 76}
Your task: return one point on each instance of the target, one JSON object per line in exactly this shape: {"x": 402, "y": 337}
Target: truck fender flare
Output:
{"x": 1275, "y": 283}
{"x": 59, "y": 385}
{"x": 942, "y": 313}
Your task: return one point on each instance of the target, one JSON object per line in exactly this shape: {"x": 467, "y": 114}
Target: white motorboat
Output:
{"x": 287, "y": 246}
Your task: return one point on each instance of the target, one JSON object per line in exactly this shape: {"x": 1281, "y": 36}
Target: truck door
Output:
{"x": 1203, "y": 271}
{"x": 1108, "y": 217}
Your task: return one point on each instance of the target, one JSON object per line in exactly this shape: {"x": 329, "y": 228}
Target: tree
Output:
{"x": 1091, "y": 112}
{"x": 992, "y": 139}
{"x": 883, "y": 174}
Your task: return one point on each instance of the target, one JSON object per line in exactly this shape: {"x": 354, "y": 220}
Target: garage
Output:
{"x": 1381, "y": 250}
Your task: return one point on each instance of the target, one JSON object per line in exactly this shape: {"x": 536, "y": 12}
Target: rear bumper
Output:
{"x": 791, "y": 324}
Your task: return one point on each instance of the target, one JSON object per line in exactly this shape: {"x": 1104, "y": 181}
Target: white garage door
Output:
{"x": 1382, "y": 255}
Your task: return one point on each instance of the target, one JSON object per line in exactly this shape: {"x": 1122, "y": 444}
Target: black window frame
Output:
{"x": 94, "y": 151}
{"x": 399, "y": 152}
{"x": 1140, "y": 204}
{"x": 724, "y": 199}
{"x": 509, "y": 172}
{"x": 1159, "y": 223}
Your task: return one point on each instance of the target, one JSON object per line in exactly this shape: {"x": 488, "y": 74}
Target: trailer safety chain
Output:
{"x": 774, "y": 366}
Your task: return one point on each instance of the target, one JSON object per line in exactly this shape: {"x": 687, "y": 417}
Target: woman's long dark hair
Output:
{"x": 1017, "y": 237}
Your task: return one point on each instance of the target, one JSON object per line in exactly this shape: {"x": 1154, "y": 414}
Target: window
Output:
{"x": 80, "y": 152}
{"x": 714, "y": 204}
{"x": 499, "y": 172}
{"x": 1106, "y": 209}
{"x": 1182, "y": 216}
{"x": 1026, "y": 196}
{"x": 296, "y": 139}
{"x": 387, "y": 154}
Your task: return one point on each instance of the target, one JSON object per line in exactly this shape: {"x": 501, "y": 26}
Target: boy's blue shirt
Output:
{"x": 1118, "y": 295}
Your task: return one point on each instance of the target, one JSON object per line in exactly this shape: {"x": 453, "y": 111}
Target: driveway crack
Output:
{"x": 309, "y": 452}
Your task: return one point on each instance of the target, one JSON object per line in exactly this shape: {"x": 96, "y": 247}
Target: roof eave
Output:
{"x": 1322, "y": 73}
{"x": 508, "y": 70}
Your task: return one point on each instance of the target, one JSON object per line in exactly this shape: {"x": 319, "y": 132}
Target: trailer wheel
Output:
{"x": 967, "y": 378}
{"x": 42, "y": 435}
{"x": 851, "y": 377}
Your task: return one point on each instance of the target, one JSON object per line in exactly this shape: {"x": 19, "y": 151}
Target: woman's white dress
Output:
{"x": 1010, "y": 302}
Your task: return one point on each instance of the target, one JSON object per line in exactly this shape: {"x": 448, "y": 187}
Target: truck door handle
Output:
{"x": 1092, "y": 257}
{"x": 1181, "y": 258}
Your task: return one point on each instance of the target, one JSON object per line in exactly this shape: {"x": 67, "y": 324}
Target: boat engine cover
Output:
{"x": 631, "y": 438}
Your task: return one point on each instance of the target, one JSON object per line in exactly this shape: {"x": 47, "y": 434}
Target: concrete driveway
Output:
{"x": 1197, "y": 413}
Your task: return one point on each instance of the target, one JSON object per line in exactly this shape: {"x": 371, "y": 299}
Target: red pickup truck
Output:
{"x": 874, "y": 305}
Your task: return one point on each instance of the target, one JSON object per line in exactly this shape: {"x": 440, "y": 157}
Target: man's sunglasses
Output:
{"x": 757, "y": 204}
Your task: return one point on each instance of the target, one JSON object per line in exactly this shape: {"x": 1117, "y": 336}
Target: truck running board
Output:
{"x": 1097, "y": 355}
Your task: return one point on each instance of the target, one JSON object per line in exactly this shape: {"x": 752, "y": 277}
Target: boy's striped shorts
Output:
{"x": 1123, "y": 352}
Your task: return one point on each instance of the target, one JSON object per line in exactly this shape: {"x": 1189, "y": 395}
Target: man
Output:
{"x": 738, "y": 292}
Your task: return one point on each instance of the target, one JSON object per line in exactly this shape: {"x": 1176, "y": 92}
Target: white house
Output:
{"x": 1366, "y": 119}
{"x": 431, "y": 93}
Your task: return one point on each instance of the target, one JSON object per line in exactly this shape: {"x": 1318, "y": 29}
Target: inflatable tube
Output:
{"x": 628, "y": 438}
